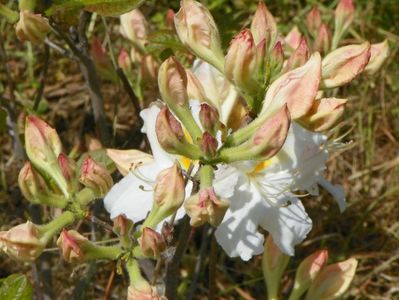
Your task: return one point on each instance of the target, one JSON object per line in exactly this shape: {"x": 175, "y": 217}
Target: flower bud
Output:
{"x": 68, "y": 169}
{"x": 124, "y": 61}
{"x": 134, "y": 27}
{"x": 299, "y": 57}
{"x": 344, "y": 14}
{"x": 149, "y": 69}
{"x": 276, "y": 59}
{"x": 43, "y": 147}
{"x": 172, "y": 80}
{"x": 169, "y": 131}
{"x": 32, "y": 27}
{"x": 209, "y": 118}
{"x": 333, "y": 280}
{"x": 307, "y": 271}
{"x": 125, "y": 160}
{"x": 170, "y": 18}
{"x": 240, "y": 66}
{"x": 72, "y": 244}
{"x": 263, "y": 26}
{"x": 270, "y": 137}
{"x": 95, "y": 176}
{"x": 195, "y": 89}
{"x": 122, "y": 225}
{"x": 169, "y": 194}
{"x": 22, "y": 242}
{"x": 143, "y": 293}
{"x": 206, "y": 207}
{"x": 297, "y": 88}
{"x": 32, "y": 184}
{"x": 293, "y": 38}
{"x": 323, "y": 39}
{"x": 152, "y": 243}
{"x": 324, "y": 114}
{"x": 313, "y": 20}
{"x": 344, "y": 64}
{"x": 101, "y": 60}
{"x": 197, "y": 30}
{"x": 379, "y": 54}
{"x": 274, "y": 263}
{"x": 208, "y": 145}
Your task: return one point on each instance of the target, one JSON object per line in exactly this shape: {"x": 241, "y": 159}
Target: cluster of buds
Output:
{"x": 135, "y": 28}
{"x": 321, "y": 281}
{"x": 49, "y": 165}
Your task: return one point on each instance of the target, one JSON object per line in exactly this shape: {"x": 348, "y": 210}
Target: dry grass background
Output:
{"x": 368, "y": 168}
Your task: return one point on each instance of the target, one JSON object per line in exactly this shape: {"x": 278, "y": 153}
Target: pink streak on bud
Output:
{"x": 152, "y": 243}
{"x": 299, "y": 57}
{"x": 323, "y": 39}
{"x": 209, "y": 144}
{"x": 263, "y": 26}
{"x": 169, "y": 131}
{"x": 313, "y": 20}
{"x": 124, "y": 60}
{"x": 293, "y": 38}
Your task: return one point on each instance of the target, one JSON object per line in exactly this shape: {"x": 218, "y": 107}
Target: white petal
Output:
{"x": 225, "y": 180}
{"x": 289, "y": 226}
{"x": 149, "y": 115}
{"x": 238, "y": 233}
{"x": 336, "y": 191}
{"x": 133, "y": 196}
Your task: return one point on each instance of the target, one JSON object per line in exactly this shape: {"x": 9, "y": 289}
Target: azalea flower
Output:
{"x": 261, "y": 194}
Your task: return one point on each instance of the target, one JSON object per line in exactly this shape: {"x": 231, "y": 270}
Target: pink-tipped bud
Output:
{"x": 149, "y": 67}
{"x": 296, "y": 88}
{"x": 143, "y": 292}
{"x": 324, "y": 114}
{"x": 68, "y": 169}
{"x": 95, "y": 176}
{"x": 134, "y": 27}
{"x": 344, "y": 14}
{"x": 379, "y": 54}
{"x": 241, "y": 63}
{"x": 195, "y": 90}
{"x": 276, "y": 59}
{"x": 293, "y": 38}
{"x": 209, "y": 118}
{"x": 270, "y": 137}
{"x": 169, "y": 191}
{"x": 152, "y": 243}
{"x": 124, "y": 61}
{"x": 126, "y": 160}
{"x": 344, "y": 64}
{"x": 206, "y": 206}
{"x": 169, "y": 131}
{"x": 313, "y": 20}
{"x": 333, "y": 280}
{"x": 263, "y": 26}
{"x": 170, "y": 18}
{"x": 43, "y": 147}
{"x": 101, "y": 60}
{"x": 22, "y": 242}
{"x": 274, "y": 263}
{"x": 32, "y": 27}
{"x": 72, "y": 244}
{"x": 209, "y": 144}
{"x": 122, "y": 225}
{"x": 172, "y": 81}
{"x": 307, "y": 271}
{"x": 299, "y": 57}
{"x": 32, "y": 184}
{"x": 197, "y": 30}
{"x": 323, "y": 39}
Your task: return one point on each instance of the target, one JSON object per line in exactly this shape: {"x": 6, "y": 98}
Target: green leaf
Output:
{"x": 102, "y": 7}
{"x": 16, "y": 287}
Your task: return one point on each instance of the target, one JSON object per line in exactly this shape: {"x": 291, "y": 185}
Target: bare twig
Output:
{"x": 43, "y": 75}
{"x": 90, "y": 74}
{"x": 212, "y": 268}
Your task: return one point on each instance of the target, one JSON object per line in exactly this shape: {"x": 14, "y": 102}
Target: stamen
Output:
{"x": 136, "y": 172}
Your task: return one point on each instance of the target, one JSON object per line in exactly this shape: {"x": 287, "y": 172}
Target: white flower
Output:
{"x": 265, "y": 196}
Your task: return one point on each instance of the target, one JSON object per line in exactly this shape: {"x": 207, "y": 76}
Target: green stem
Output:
{"x": 103, "y": 252}
{"x": 239, "y": 153}
{"x": 296, "y": 293}
{"x": 185, "y": 116}
{"x": 206, "y": 176}
{"x": 9, "y": 14}
{"x": 135, "y": 277}
{"x": 27, "y": 5}
{"x": 55, "y": 226}
{"x": 189, "y": 150}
